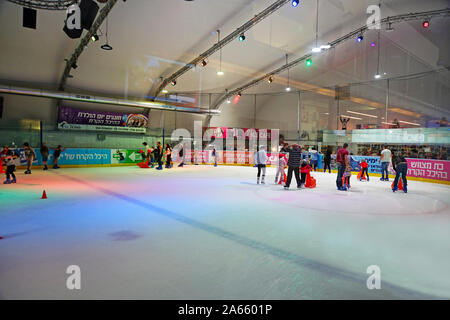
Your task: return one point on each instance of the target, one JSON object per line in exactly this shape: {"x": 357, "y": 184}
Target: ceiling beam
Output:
{"x": 84, "y": 42}
{"x": 385, "y": 21}
{"x": 242, "y": 29}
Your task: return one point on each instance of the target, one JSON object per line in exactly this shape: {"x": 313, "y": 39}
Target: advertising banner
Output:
{"x": 74, "y": 119}
{"x": 429, "y": 169}
{"x": 69, "y": 157}
{"x": 125, "y": 156}
{"x": 225, "y": 132}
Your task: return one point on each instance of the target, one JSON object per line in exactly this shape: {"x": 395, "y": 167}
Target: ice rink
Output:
{"x": 201, "y": 232}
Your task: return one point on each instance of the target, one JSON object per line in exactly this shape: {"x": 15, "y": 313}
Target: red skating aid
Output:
{"x": 44, "y": 195}
{"x": 400, "y": 185}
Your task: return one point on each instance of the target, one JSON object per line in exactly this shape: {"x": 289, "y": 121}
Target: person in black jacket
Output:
{"x": 295, "y": 155}
{"x": 327, "y": 160}
{"x": 158, "y": 155}
{"x": 401, "y": 169}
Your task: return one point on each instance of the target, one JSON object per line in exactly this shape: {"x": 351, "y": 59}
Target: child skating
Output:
{"x": 281, "y": 165}
{"x": 30, "y": 155}
{"x": 364, "y": 170}
{"x": 347, "y": 175}
{"x": 56, "y": 154}
{"x": 10, "y": 167}
{"x": 304, "y": 170}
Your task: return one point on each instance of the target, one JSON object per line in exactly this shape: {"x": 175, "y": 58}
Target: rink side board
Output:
{"x": 426, "y": 170}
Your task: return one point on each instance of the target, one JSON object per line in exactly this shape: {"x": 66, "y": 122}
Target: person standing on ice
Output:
{"x": 385, "y": 160}
{"x": 343, "y": 163}
{"x": 401, "y": 169}
{"x": 281, "y": 165}
{"x": 56, "y": 154}
{"x": 159, "y": 155}
{"x": 327, "y": 160}
{"x": 30, "y": 155}
{"x": 295, "y": 156}
{"x": 214, "y": 154}
{"x": 10, "y": 167}
{"x": 44, "y": 154}
{"x": 314, "y": 158}
{"x": 260, "y": 160}
{"x": 181, "y": 155}
{"x": 168, "y": 156}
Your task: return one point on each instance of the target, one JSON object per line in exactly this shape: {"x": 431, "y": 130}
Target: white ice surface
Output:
{"x": 211, "y": 233}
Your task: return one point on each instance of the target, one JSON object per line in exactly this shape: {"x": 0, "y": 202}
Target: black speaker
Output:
{"x": 89, "y": 9}
{"x": 1, "y": 107}
{"x": 29, "y": 18}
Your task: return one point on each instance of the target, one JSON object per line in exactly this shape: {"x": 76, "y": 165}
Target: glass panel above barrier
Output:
{"x": 404, "y": 136}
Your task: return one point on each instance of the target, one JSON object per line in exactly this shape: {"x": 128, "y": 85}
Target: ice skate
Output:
{"x": 13, "y": 180}
{"x": 382, "y": 179}
{"x": 262, "y": 180}
{"x": 45, "y": 168}
{"x": 7, "y": 181}
{"x": 28, "y": 172}
{"x": 405, "y": 189}
{"x": 394, "y": 189}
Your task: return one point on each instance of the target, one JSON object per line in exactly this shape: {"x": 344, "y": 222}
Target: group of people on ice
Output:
{"x": 291, "y": 157}
{"x": 8, "y": 158}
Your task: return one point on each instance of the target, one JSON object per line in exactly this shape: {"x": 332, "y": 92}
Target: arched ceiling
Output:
{"x": 154, "y": 38}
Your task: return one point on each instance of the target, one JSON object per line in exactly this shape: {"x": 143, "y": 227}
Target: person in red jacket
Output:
{"x": 304, "y": 170}
{"x": 364, "y": 169}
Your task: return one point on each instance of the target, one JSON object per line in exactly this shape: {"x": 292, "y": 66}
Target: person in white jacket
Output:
{"x": 281, "y": 165}
{"x": 260, "y": 160}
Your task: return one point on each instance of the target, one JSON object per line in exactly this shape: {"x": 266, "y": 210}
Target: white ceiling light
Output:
{"x": 411, "y": 123}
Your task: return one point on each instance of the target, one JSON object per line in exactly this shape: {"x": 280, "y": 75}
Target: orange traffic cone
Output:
{"x": 44, "y": 195}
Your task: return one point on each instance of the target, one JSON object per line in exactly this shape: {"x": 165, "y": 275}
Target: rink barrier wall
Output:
{"x": 426, "y": 170}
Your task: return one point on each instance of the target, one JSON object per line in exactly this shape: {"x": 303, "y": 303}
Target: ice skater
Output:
{"x": 181, "y": 155}
{"x": 281, "y": 165}
{"x": 343, "y": 163}
{"x": 327, "y": 160}
{"x": 10, "y": 167}
{"x": 30, "y": 155}
{"x": 158, "y": 155}
{"x": 44, "y": 154}
{"x": 295, "y": 155}
{"x": 260, "y": 160}
{"x": 314, "y": 158}
{"x": 56, "y": 154}
{"x": 385, "y": 159}
{"x": 168, "y": 155}
{"x": 214, "y": 154}
{"x": 347, "y": 175}
{"x": 364, "y": 170}
{"x": 304, "y": 170}
{"x": 401, "y": 169}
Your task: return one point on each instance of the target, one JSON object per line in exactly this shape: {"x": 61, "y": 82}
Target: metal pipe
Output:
{"x": 103, "y": 100}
